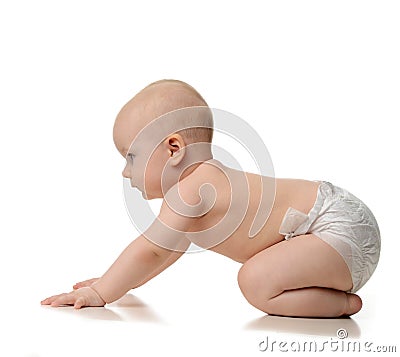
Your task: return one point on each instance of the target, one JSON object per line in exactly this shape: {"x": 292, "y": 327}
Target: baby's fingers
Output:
{"x": 84, "y": 283}
{"x": 50, "y": 299}
{"x": 64, "y": 299}
{"x": 78, "y": 298}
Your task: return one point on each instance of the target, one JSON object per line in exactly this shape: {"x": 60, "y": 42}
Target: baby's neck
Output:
{"x": 190, "y": 169}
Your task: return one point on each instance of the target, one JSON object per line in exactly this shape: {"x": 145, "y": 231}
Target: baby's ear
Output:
{"x": 176, "y": 148}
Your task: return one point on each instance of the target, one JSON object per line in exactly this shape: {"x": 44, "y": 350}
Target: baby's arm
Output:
{"x": 172, "y": 258}
{"x": 138, "y": 263}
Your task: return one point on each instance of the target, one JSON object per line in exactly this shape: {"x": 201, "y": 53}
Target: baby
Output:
{"x": 315, "y": 247}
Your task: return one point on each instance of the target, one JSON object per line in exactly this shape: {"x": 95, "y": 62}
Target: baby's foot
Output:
{"x": 354, "y": 304}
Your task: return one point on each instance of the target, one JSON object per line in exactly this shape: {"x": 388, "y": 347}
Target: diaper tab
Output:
{"x": 293, "y": 223}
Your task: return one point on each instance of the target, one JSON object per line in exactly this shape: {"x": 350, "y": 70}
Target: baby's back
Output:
{"x": 227, "y": 225}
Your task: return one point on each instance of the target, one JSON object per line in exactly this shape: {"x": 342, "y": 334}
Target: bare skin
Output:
{"x": 303, "y": 276}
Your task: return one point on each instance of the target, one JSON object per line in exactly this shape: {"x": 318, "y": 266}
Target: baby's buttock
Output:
{"x": 344, "y": 222}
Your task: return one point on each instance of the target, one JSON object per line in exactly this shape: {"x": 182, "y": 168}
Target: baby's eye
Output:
{"x": 130, "y": 157}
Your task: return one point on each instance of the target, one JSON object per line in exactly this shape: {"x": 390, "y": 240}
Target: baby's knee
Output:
{"x": 246, "y": 281}
{"x": 254, "y": 284}
{"x": 243, "y": 278}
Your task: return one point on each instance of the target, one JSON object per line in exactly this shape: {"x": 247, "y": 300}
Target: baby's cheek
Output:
{"x": 151, "y": 178}
{"x": 137, "y": 177}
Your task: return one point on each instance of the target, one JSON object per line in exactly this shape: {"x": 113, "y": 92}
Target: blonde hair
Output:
{"x": 190, "y": 97}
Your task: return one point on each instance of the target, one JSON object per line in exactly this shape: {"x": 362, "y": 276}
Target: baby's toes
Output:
{"x": 354, "y": 304}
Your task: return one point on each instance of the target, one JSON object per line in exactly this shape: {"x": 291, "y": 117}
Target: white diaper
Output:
{"x": 346, "y": 223}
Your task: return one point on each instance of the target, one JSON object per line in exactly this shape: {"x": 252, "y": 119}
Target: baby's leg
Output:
{"x": 303, "y": 276}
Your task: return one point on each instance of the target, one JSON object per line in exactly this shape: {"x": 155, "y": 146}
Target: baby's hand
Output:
{"x": 84, "y": 283}
{"x": 85, "y": 296}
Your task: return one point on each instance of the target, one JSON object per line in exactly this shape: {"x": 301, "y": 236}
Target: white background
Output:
{"x": 319, "y": 80}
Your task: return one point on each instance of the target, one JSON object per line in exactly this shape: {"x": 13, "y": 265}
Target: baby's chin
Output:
{"x": 148, "y": 196}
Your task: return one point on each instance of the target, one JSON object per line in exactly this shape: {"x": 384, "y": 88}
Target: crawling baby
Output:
{"x": 305, "y": 246}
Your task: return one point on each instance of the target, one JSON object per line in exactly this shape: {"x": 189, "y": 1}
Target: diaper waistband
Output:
{"x": 295, "y": 222}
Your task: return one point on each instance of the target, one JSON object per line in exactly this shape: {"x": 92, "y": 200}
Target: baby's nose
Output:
{"x": 125, "y": 172}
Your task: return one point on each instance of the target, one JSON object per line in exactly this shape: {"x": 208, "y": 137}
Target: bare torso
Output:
{"x": 296, "y": 193}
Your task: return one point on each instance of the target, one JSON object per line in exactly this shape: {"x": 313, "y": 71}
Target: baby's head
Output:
{"x": 164, "y": 132}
